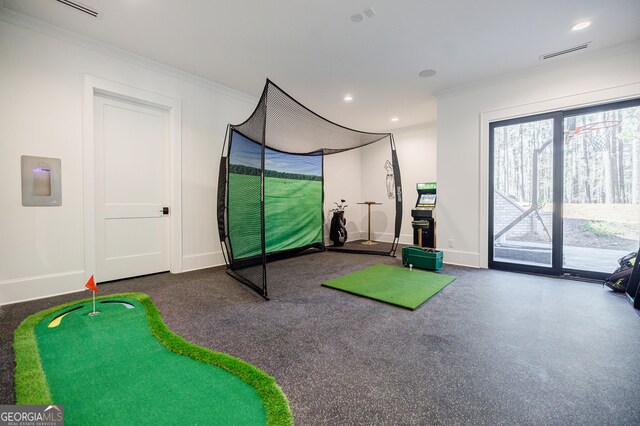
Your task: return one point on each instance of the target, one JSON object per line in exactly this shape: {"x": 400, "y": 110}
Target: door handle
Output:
{"x": 165, "y": 210}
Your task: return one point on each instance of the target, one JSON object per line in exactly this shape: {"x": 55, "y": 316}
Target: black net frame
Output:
{"x": 280, "y": 123}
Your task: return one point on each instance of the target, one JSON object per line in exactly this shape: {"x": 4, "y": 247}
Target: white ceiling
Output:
{"x": 316, "y": 53}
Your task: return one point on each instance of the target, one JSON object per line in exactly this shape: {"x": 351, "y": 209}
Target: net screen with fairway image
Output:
{"x": 292, "y": 204}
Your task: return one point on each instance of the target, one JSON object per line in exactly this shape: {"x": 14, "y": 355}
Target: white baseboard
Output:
{"x": 39, "y": 287}
{"x": 460, "y": 258}
{"x": 406, "y": 239}
{"x": 385, "y": 237}
{"x": 201, "y": 261}
{"x": 351, "y": 236}
{"x": 32, "y": 288}
{"x": 450, "y": 256}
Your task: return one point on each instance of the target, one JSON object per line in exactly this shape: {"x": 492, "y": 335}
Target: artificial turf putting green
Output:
{"x": 125, "y": 366}
{"x": 391, "y": 284}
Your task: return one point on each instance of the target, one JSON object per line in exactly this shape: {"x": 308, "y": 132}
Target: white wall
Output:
{"x": 41, "y": 75}
{"x": 342, "y": 180}
{"x": 374, "y": 188}
{"x": 416, "y": 150}
{"x": 463, "y": 119}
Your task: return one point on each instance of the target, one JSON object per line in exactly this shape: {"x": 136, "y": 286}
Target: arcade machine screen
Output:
{"x": 427, "y": 199}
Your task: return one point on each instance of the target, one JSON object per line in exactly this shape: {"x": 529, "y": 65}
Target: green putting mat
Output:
{"x": 124, "y": 366}
{"x": 392, "y": 284}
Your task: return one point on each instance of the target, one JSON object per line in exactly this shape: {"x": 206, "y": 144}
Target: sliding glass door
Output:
{"x": 523, "y": 192}
{"x": 601, "y": 203}
{"x": 565, "y": 190}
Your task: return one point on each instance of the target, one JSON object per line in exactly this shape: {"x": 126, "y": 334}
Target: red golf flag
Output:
{"x": 91, "y": 285}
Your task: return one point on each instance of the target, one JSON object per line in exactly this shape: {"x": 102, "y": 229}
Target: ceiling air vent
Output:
{"x": 565, "y": 51}
{"x": 81, "y": 8}
{"x": 369, "y": 12}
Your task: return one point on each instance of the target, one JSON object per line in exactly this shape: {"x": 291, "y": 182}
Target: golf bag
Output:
{"x": 619, "y": 280}
{"x": 338, "y": 231}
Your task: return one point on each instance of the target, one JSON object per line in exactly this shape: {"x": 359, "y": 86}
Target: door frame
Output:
{"x": 91, "y": 87}
{"x": 556, "y": 222}
{"x": 557, "y": 245}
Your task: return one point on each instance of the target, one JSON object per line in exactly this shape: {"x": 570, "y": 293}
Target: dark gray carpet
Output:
{"x": 492, "y": 348}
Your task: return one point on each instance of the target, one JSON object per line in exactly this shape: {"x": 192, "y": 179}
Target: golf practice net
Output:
{"x": 271, "y": 184}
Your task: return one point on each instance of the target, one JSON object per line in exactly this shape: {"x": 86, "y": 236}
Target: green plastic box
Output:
{"x": 421, "y": 257}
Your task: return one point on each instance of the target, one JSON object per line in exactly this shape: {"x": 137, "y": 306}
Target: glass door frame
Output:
{"x": 557, "y": 246}
{"x": 556, "y": 233}
{"x": 583, "y": 111}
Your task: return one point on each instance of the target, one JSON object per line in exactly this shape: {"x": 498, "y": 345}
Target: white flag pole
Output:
{"x": 91, "y": 285}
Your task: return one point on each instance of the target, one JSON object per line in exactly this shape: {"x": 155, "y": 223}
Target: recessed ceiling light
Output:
{"x": 581, "y": 25}
{"x": 427, "y": 73}
{"x": 348, "y": 98}
{"x": 394, "y": 119}
{"x": 356, "y": 17}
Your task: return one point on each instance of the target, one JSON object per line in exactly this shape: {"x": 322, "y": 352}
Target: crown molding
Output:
{"x": 27, "y": 22}
{"x": 541, "y": 68}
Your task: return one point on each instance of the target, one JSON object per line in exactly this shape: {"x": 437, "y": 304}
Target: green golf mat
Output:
{"x": 392, "y": 284}
{"x": 124, "y": 366}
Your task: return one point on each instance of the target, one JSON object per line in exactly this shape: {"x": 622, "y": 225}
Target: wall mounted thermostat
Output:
{"x": 41, "y": 181}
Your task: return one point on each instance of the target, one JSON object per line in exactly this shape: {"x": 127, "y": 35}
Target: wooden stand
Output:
{"x": 369, "y": 204}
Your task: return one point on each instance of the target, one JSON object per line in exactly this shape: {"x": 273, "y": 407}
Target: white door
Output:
{"x": 132, "y": 188}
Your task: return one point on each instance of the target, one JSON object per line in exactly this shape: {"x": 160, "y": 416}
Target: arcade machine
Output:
{"x": 423, "y": 253}
{"x": 424, "y": 225}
